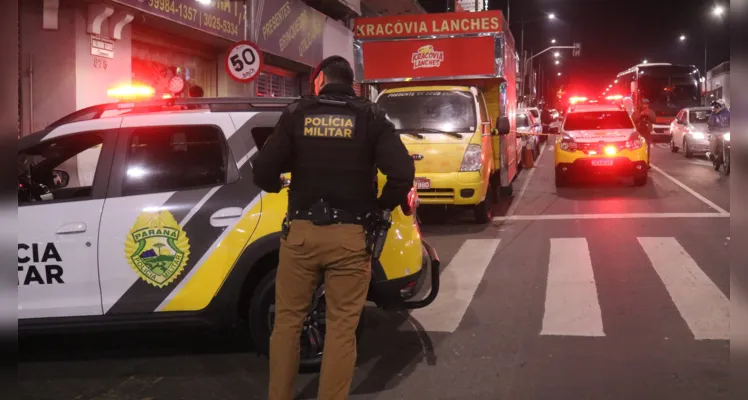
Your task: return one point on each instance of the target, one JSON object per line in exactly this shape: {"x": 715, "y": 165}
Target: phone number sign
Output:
{"x": 224, "y": 18}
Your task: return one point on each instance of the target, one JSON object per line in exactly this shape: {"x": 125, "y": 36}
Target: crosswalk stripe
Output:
{"x": 663, "y": 145}
{"x": 459, "y": 281}
{"x": 571, "y": 303}
{"x": 701, "y": 304}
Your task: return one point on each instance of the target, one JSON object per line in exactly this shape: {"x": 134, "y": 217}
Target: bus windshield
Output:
{"x": 449, "y": 111}
{"x": 669, "y": 88}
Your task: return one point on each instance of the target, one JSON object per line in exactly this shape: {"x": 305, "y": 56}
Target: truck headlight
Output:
{"x": 472, "y": 161}
{"x": 727, "y": 137}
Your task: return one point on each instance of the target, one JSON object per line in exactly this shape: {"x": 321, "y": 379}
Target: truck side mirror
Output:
{"x": 502, "y": 126}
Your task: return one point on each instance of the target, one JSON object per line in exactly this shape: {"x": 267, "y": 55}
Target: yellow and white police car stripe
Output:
{"x": 211, "y": 248}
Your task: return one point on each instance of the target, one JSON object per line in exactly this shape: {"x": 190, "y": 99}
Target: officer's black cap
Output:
{"x": 327, "y": 61}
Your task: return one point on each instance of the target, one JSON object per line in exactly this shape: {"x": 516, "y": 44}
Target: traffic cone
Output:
{"x": 527, "y": 161}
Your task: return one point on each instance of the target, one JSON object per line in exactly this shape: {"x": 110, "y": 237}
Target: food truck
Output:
{"x": 447, "y": 83}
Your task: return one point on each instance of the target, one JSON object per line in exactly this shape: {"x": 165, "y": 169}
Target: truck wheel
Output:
{"x": 506, "y": 190}
{"x": 262, "y": 318}
{"x": 482, "y": 211}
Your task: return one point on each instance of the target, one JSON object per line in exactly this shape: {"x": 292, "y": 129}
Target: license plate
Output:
{"x": 423, "y": 183}
{"x": 602, "y": 162}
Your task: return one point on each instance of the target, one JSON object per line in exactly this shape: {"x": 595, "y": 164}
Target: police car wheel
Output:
{"x": 312, "y": 340}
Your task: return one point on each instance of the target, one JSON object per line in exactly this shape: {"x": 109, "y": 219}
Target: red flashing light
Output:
{"x": 610, "y": 150}
{"x": 614, "y": 97}
{"x": 131, "y": 92}
{"x": 576, "y": 99}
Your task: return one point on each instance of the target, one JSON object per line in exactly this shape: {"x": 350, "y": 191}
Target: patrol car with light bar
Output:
{"x": 144, "y": 212}
{"x": 599, "y": 139}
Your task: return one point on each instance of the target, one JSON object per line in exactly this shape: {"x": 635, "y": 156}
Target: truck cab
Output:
{"x": 447, "y": 110}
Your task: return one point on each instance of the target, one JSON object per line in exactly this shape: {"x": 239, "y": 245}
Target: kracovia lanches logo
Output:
{"x": 157, "y": 248}
{"x": 427, "y": 57}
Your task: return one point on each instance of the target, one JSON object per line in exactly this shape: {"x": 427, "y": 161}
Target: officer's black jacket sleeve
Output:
{"x": 275, "y": 157}
{"x": 392, "y": 158}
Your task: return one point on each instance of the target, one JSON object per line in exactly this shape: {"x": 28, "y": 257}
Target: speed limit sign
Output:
{"x": 244, "y": 61}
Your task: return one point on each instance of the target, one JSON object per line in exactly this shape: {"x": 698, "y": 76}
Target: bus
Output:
{"x": 668, "y": 87}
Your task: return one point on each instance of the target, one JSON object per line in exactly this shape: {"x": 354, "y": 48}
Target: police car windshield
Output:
{"x": 430, "y": 112}
{"x": 591, "y": 120}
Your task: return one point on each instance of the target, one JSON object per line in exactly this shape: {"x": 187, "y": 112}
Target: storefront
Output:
{"x": 290, "y": 33}
{"x": 184, "y": 56}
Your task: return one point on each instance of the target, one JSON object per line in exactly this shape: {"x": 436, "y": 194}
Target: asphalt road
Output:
{"x": 597, "y": 291}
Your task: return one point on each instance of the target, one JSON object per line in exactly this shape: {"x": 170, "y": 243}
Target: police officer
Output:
{"x": 644, "y": 118}
{"x": 332, "y": 144}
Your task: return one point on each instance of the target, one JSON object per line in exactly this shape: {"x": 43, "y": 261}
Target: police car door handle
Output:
{"x": 75, "y": 227}
{"x": 225, "y": 217}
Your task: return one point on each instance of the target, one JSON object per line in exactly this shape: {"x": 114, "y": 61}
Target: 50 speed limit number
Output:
{"x": 244, "y": 61}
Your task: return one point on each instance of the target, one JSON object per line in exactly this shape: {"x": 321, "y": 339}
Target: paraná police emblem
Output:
{"x": 157, "y": 248}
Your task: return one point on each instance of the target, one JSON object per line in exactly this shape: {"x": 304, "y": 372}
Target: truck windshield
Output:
{"x": 592, "y": 120}
{"x": 450, "y": 111}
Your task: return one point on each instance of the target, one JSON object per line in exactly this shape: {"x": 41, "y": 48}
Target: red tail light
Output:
{"x": 634, "y": 143}
{"x": 568, "y": 144}
{"x": 412, "y": 203}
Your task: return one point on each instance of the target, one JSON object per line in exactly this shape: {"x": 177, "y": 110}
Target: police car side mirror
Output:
{"x": 60, "y": 179}
{"x": 502, "y": 126}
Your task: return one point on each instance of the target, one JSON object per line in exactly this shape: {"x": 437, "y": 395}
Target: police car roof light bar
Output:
{"x": 213, "y": 104}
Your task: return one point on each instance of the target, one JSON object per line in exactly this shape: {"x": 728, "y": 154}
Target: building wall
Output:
{"x": 92, "y": 79}
{"x": 51, "y": 54}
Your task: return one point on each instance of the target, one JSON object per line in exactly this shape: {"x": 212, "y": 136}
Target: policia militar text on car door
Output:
{"x": 145, "y": 212}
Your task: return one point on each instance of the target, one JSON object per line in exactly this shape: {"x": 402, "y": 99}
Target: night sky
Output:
{"x": 615, "y": 35}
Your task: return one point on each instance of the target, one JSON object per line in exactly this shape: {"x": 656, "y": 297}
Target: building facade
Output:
{"x": 74, "y": 51}
{"x": 718, "y": 84}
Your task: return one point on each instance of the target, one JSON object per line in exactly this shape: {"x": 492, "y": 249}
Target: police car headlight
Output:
{"x": 472, "y": 161}
{"x": 726, "y": 137}
{"x": 697, "y": 135}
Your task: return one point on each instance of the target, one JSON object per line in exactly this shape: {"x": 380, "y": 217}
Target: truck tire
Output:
{"x": 482, "y": 212}
{"x": 260, "y": 322}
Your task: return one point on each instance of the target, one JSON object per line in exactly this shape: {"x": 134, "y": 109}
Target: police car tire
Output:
{"x": 561, "y": 180}
{"x": 263, "y": 296}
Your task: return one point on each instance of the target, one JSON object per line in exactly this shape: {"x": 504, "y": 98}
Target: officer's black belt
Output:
{"x": 336, "y": 216}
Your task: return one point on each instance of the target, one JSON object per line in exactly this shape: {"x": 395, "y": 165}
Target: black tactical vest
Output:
{"x": 333, "y": 154}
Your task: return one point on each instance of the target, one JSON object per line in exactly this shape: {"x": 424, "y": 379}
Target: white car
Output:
{"x": 529, "y": 125}
{"x": 689, "y": 131}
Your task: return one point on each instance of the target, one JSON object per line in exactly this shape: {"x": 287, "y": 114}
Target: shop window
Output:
{"x": 156, "y": 66}
{"x": 276, "y": 85}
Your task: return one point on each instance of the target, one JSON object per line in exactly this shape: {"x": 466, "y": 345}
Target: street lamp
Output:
{"x": 558, "y": 62}
{"x": 615, "y": 81}
{"x": 550, "y": 16}
{"x": 559, "y": 74}
{"x": 717, "y": 12}
{"x": 557, "y": 54}
{"x": 682, "y": 38}
{"x": 553, "y": 41}
{"x": 644, "y": 62}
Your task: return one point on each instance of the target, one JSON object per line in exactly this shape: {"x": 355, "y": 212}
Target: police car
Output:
{"x": 145, "y": 212}
{"x": 599, "y": 139}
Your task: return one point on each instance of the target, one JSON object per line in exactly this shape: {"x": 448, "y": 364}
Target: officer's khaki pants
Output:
{"x": 340, "y": 252}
